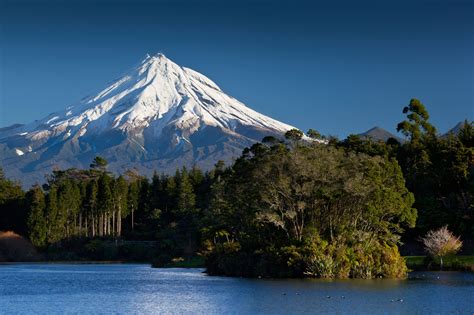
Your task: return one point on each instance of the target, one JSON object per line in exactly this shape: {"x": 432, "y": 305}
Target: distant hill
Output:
{"x": 378, "y": 133}
{"x": 455, "y": 129}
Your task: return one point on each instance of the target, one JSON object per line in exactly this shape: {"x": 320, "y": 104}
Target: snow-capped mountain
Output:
{"x": 158, "y": 116}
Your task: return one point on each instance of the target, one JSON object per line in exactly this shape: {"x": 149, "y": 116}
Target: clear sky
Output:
{"x": 337, "y": 66}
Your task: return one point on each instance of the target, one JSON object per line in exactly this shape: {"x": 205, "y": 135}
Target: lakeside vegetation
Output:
{"x": 287, "y": 207}
{"x": 425, "y": 263}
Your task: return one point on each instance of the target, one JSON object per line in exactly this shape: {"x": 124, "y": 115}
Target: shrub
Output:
{"x": 14, "y": 247}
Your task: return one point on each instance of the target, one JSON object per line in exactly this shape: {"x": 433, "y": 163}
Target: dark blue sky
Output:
{"x": 337, "y": 66}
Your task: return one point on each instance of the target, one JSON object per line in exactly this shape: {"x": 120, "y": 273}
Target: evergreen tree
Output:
{"x": 92, "y": 209}
{"x": 417, "y": 125}
{"x": 186, "y": 211}
{"x": 37, "y": 229}
{"x": 68, "y": 202}
{"x": 120, "y": 203}
{"x": 466, "y": 134}
{"x": 104, "y": 204}
{"x": 12, "y": 210}
{"x": 294, "y": 135}
{"x": 99, "y": 164}
{"x": 186, "y": 200}
{"x": 53, "y": 216}
{"x": 133, "y": 200}
{"x": 314, "y": 134}
{"x": 155, "y": 191}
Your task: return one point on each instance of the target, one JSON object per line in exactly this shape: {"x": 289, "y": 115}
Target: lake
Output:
{"x": 140, "y": 289}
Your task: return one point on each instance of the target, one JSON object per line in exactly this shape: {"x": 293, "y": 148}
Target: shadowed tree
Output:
{"x": 36, "y": 221}
{"x": 294, "y": 135}
{"x": 12, "y": 210}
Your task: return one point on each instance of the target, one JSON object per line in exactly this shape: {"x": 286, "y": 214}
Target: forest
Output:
{"x": 296, "y": 206}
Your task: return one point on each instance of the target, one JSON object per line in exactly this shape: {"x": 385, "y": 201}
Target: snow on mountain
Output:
{"x": 159, "y": 115}
{"x": 157, "y": 90}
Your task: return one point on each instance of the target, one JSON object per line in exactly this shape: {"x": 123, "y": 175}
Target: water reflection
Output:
{"x": 127, "y": 289}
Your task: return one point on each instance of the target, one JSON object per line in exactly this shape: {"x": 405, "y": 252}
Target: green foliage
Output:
{"x": 314, "y": 134}
{"x": 416, "y": 126}
{"x": 284, "y": 209}
{"x": 438, "y": 170}
{"x": 270, "y": 140}
{"x": 99, "y": 163}
{"x": 294, "y": 135}
{"x": 369, "y": 146}
{"x": 12, "y": 208}
{"x": 462, "y": 263}
{"x": 53, "y": 216}
{"x": 36, "y": 217}
{"x": 104, "y": 194}
{"x": 312, "y": 210}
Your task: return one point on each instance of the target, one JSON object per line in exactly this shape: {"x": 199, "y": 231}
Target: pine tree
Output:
{"x": 121, "y": 205}
{"x": 314, "y": 134}
{"x": 92, "y": 208}
{"x": 69, "y": 202}
{"x": 99, "y": 164}
{"x": 37, "y": 230}
{"x": 186, "y": 211}
{"x": 133, "y": 201}
{"x": 186, "y": 199}
{"x": 53, "y": 215}
{"x": 294, "y": 135}
{"x": 104, "y": 203}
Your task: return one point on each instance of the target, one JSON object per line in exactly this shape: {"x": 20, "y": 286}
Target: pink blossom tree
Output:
{"x": 441, "y": 242}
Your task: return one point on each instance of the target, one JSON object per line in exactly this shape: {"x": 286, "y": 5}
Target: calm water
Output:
{"x": 132, "y": 289}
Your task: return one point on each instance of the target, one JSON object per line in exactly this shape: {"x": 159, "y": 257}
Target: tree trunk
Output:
{"x": 100, "y": 225}
{"x": 119, "y": 219}
{"x": 113, "y": 223}
{"x": 133, "y": 219}
{"x": 80, "y": 224}
{"x": 93, "y": 226}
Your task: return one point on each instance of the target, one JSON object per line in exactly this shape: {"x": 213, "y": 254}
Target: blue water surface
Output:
{"x": 140, "y": 289}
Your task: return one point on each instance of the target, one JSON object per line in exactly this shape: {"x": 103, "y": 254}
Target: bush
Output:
{"x": 14, "y": 247}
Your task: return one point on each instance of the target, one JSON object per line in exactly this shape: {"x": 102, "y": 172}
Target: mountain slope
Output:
{"x": 157, "y": 116}
{"x": 455, "y": 130}
{"x": 378, "y": 133}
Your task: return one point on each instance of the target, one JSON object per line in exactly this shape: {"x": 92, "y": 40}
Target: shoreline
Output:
{"x": 75, "y": 262}
{"x": 463, "y": 263}
{"x": 120, "y": 262}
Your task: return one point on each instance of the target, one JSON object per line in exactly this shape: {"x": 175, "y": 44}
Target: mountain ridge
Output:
{"x": 379, "y": 133}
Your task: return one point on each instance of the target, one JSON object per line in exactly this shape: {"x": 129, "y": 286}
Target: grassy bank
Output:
{"x": 459, "y": 263}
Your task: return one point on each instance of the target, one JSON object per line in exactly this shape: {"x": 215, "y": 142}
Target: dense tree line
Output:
{"x": 439, "y": 170}
{"x": 297, "y": 209}
{"x": 13, "y": 210}
{"x": 75, "y": 204}
{"x": 287, "y": 207}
